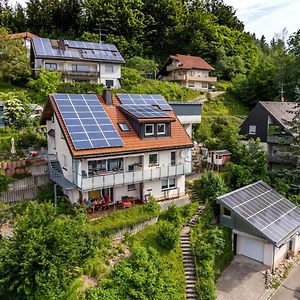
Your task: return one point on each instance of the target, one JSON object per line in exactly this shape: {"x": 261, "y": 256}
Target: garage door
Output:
{"x": 252, "y": 248}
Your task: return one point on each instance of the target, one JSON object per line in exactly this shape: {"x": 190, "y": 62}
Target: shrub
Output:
{"x": 168, "y": 235}
{"x": 172, "y": 215}
{"x": 4, "y": 181}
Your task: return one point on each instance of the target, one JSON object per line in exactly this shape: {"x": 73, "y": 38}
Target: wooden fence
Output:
{"x": 24, "y": 189}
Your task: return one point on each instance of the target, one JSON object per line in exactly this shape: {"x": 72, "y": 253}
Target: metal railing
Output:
{"x": 126, "y": 178}
{"x": 280, "y": 139}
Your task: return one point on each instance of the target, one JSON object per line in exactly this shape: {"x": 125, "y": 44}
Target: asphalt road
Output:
{"x": 290, "y": 289}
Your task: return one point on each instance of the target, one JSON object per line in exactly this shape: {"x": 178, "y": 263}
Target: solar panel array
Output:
{"x": 44, "y": 48}
{"x": 86, "y": 121}
{"x": 144, "y": 111}
{"x": 90, "y": 45}
{"x": 144, "y": 99}
{"x": 265, "y": 209}
{"x": 78, "y": 50}
{"x": 102, "y": 55}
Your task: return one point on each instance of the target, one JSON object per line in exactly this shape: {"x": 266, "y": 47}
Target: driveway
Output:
{"x": 290, "y": 289}
{"x": 243, "y": 279}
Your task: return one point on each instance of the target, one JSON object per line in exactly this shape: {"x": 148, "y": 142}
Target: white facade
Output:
{"x": 105, "y": 73}
{"x": 137, "y": 178}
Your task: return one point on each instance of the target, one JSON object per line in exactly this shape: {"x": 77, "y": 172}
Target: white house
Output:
{"x": 188, "y": 71}
{"x": 266, "y": 226}
{"x": 78, "y": 61}
{"x": 123, "y": 145}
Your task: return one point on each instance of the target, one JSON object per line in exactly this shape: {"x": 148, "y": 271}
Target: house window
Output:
{"x": 153, "y": 161}
{"x": 252, "y": 129}
{"x": 80, "y": 68}
{"x": 109, "y": 82}
{"x": 123, "y": 127}
{"x": 149, "y": 129}
{"x": 192, "y": 73}
{"x": 191, "y": 84}
{"x": 51, "y": 66}
{"x": 173, "y": 158}
{"x": 291, "y": 245}
{"x": 65, "y": 165}
{"x": 109, "y": 68}
{"x": 226, "y": 212}
{"x": 130, "y": 168}
{"x": 115, "y": 164}
{"x": 168, "y": 183}
{"x": 204, "y": 85}
{"x": 131, "y": 187}
{"x": 161, "y": 129}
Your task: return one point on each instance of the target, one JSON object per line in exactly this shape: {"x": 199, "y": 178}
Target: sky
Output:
{"x": 268, "y": 17}
{"x": 262, "y": 17}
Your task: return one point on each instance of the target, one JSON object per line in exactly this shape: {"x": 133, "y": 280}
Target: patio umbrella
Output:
{"x": 13, "y": 149}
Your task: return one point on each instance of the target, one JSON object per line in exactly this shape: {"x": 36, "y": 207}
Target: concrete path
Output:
{"x": 290, "y": 289}
{"x": 243, "y": 279}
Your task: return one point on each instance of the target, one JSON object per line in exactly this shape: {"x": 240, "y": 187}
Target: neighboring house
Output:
{"x": 188, "y": 113}
{"x": 270, "y": 122}
{"x": 2, "y": 123}
{"x": 26, "y": 37}
{"x": 36, "y": 111}
{"x": 266, "y": 226}
{"x": 124, "y": 145}
{"x": 78, "y": 61}
{"x": 188, "y": 71}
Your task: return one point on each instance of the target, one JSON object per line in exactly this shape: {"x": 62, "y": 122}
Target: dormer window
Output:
{"x": 149, "y": 129}
{"x": 161, "y": 129}
{"x": 123, "y": 127}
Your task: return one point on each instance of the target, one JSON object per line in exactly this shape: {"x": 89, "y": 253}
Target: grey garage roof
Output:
{"x": 262, "y": 207}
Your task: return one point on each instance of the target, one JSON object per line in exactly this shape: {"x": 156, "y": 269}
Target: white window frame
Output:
{"x": 223, "y": 212}
{"x": 191, "y": 84}
{"x": 50, "y": 66}
{"x": 164, "y": 126}
{"x": 168, "y": 184}
{"x": 149, "y": 125}
{"x": 109, "y": 68}
{"x": 113, "y": 82}
{"x": 252, "y": 129}
{"x": 124, "y": 127}
{"x": 157, "y": 160}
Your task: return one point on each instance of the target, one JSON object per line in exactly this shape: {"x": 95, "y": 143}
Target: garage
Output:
{"x": 251, "y": 248}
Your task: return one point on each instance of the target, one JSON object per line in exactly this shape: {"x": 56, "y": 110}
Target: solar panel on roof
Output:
{"x": 144, "y": 99}
{"x": 145, "y": 111}
{"x": 265, "y": 209}
{"x": 86, "y": 121}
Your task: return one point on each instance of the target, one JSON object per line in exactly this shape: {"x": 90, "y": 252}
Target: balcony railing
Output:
{"x": 284, "y": 159}
{"x": 280, "y": 139}
{"x": 189, "y": 78}
{"x": 79, "y": 73}
{"x": 126, "y": 178}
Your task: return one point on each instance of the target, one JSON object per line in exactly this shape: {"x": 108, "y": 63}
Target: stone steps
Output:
{"x": 188, "y": 258}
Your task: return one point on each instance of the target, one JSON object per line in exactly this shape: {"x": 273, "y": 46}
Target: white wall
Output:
{"x": 280, "y": 253}
{"x": 297, "y": 244}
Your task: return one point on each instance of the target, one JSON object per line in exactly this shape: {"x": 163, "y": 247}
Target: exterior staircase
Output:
{"x": 56, "y": 175}
{"x": 188, "y": 258}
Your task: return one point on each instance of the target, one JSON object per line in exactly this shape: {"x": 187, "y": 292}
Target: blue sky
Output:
{"x": 268, "y": 17}
{"x": 263, "y": 17}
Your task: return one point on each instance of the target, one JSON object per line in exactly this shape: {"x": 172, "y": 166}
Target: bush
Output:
{"x": 4, "y": 181}
{"x": 172, "y": 215}
{"x": 168, "y": 235}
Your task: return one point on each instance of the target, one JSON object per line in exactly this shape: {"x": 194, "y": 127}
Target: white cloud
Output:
{"x": 265, "y": 17}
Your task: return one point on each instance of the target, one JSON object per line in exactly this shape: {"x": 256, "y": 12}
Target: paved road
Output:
{"x": 290, "y": 289}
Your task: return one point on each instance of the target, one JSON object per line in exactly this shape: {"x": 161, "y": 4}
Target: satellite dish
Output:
{"x": 184, "y": 153}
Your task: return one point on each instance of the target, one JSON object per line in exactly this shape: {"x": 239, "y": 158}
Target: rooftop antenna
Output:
{"x": 100, "y": 30}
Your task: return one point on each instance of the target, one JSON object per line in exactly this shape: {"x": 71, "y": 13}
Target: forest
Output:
{"x": 153, "y": 29}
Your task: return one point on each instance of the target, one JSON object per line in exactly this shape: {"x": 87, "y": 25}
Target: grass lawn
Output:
{"x": 172, "y": 260}
{"x": 225, "y": 105}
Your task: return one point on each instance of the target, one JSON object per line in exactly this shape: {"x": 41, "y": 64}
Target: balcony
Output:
{"x": 172, "y": 67}
{"x": 126, "y": 178}
{"x": 289, "y": 159}
{"x": 79, "y": 73}
{"x": 189, "y": 78}
{"x": 280, "y": 139}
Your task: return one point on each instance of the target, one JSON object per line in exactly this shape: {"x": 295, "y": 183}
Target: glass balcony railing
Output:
{"x": 126, "y": 178}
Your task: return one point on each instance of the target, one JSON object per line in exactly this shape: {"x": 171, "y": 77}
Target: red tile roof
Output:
{"x": 24, "y": 35}
{"x": 132, "y": 142}
{"x": 192, "y": 62}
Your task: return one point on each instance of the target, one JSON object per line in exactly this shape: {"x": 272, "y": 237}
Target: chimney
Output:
{"x": 61, "y": 44}
{"x": 107, "y": 96}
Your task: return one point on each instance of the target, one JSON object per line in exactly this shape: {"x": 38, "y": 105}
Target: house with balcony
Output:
{"x": 78, "y": 61}
{"x": 128, "y": 145}
{"x": 271, "y": 122}
{"x": 188, "y": 71}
